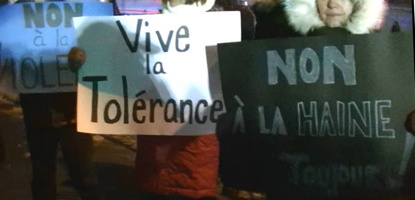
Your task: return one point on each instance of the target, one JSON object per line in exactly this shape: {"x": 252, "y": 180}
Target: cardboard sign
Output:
{"x": 132, "y": 7}
{"x": 35, "y": 39}
{"x": 318, "y": 117}
{"x": 148, "y": 74}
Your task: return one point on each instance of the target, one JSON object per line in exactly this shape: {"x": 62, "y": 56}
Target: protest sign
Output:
{"x": 132, "y": 7}
{"x": 318, "y": 117}
{"x": 35, "y": 39}
{"x": 148, "y": 74}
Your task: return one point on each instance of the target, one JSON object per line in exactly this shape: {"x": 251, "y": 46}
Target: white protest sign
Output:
{"x": 148, "y": 74}
{"x": 35, "y": 39}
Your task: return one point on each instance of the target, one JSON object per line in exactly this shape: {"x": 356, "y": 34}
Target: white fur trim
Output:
{"x": 196, "y": 7}
{"x": 367, "y": 17}
{"x": 303, "y": 15}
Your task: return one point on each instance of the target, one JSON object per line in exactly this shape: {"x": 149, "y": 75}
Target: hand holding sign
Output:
{"x": 76, "y": 58}
{"x": 410, "y": 122}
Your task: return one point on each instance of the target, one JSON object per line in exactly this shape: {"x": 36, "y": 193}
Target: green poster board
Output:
{"x": 318, "y": 116}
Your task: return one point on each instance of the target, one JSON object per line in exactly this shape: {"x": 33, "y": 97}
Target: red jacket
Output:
{"x": 184, "y": 166}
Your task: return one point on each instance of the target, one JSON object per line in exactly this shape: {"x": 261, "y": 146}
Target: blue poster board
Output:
{"x": 35, "y": 40}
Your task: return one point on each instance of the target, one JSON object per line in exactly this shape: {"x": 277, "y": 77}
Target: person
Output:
{"x": 175, "y": 167}
{"x": 50, "y": 124}
{"x": 291, "y": 18}
{"x": 241, "y": 165}
{"x": 185, "y": 166}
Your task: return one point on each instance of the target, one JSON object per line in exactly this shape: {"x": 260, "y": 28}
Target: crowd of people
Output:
{"x": 50, "y": 118}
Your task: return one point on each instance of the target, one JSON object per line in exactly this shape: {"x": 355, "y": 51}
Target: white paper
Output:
{"x": 164, "y": 68}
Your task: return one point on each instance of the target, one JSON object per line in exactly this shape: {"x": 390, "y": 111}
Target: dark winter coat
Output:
{"x": 185, "y": 166}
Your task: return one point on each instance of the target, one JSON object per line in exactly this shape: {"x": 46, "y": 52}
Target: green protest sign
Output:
{"x": 318, "y": 116}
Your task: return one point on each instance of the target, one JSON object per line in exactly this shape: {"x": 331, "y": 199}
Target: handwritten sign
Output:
{"x": 148, "y": 74}
{"x": 132, "y": 7}
{"x": 36, "y": 38}
{"x": 318, "y": 117}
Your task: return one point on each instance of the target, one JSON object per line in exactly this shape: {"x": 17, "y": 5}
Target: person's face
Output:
{"x": 334, "y": 13}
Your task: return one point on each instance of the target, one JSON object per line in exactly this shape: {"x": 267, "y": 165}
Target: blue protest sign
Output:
{"x": 35, "y": 40}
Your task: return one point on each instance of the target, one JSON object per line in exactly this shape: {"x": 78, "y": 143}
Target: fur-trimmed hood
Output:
{"x": 303, "y": 15}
